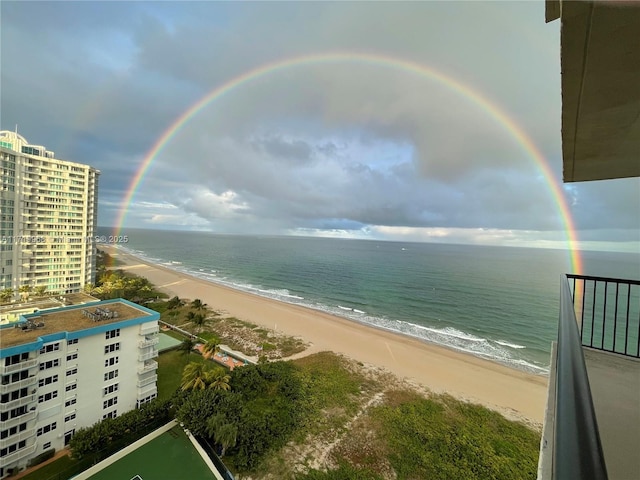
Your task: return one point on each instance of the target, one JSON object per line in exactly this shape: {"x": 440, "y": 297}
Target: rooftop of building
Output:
{"x": 70, "y": 319}
{"x": 54, "y": 301}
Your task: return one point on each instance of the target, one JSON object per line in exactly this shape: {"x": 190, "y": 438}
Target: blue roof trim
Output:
{"x": 87, "y": 332}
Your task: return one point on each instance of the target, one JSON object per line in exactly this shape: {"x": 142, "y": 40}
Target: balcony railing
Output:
{"x": 147, "y": 390}
{"x": 148, "y": 366}
{"x": 18, "y": 454}
{"x": 148, "y": 342}
{"x": 149, "y": 328}
{"x": 16, "y": 367}
{"x": 148, "y": 380}
{"x": 148, "y": 356}
{"x": 19, "y": 402}
{"x": 577, "y": 450}
{"x": 10, "y": 387}
{"x": 30, "y": 415}
{"x": 5, "y": 442}
{"x": 609, "y": 311}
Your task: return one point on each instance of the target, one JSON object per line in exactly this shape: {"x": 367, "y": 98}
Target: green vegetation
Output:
{"x": 442, "y": 438}
{"x": 259, "y": 414}
{"x": 118, "y": 284}
{"x": 371, "y": 427}
{"x": 198, "y": 376}
{"x": 170, "y": 367}
{"x": 52, "y": 470}
{"x": 105, "y": 434}
{"x": 343, "y": 472}
{"x": 43, "y": 457}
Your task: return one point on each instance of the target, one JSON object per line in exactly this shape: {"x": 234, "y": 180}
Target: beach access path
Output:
{"x": 516, "y": 394}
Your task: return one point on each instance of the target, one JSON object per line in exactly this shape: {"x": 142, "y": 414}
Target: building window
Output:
{"x": 73, "y": 341}
{"x": 110, "y": 375}
{"x": 71, "y": 386}
{"x": 112, "y": 333}
{"x": 54, "y": 347}
{"x": 46, "y": 445}
{"x": 70, "y": 417}
{"x": 110, "y": 389}
{"x": 71, "y": 401}
{"x": 12, "y": 448}
{"x": 114, "y": 347}
{"x": 111, "y": 361}
{"x": 13, "y": 430}
{"x": 109, "y": 403}
{"x": 73, "y": 371}
{"x": 46, "y": 429}
{"x": 113, "y": 414}
{"x": 73, "y": 356}
{"x": 139, "y": 403}
{"x": 50, "y": 364}
{"x": 47, "y": 381}
{"x": 48, "y": 396}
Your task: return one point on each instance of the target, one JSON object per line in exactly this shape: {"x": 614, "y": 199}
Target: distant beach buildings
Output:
{"x": 48, "y": 219}
{"x": 68, "y": 368}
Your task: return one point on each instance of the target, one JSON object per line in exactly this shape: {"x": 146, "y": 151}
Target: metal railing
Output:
{"x": 577, "y": 451}
{"x": 215, "y": 459}
{"x": 608, "y": 310}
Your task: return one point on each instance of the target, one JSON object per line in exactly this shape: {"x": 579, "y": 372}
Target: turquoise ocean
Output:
{"x": 500, "y": 303}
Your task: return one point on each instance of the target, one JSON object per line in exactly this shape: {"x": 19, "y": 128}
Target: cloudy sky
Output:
{"x": 343, "y": 147}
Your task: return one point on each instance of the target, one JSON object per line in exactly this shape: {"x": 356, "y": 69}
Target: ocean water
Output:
{"x": 499, "y": 303}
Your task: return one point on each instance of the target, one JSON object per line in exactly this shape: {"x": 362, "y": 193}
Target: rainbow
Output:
{"x": 475, "y": 97}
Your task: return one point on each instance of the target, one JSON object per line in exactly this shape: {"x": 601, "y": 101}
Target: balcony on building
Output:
{"x": 148, "y": 366}
{"x": 592, "y": 422}
{"x": 147, "y": 329}
{"x": 149, "y": 341}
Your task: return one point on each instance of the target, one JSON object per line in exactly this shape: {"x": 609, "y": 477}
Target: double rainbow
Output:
{"x": 473, "y": 96}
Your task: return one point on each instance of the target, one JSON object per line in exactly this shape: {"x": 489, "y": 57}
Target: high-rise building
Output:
{"x": 48, "y": 217}
{"x": 68, "y": 368}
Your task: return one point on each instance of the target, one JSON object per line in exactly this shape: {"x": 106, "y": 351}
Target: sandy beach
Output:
{"x": 514, "y": 393}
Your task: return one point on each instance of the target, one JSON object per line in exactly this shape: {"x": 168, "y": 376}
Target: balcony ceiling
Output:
{"x": 600, "y": 61}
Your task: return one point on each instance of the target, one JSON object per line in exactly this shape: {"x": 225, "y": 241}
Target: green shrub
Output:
{"x": 43, "y": 457}
{"x": 100, "y": 435}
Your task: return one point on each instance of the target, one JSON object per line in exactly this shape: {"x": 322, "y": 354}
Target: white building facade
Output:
{"x": 48, "y": 218}
{"x": 100, "y": 365}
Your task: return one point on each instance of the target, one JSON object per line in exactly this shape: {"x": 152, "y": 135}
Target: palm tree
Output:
{"x": 214, "y": 422}
{"x": 194, "y": 376}
{"x": 217, "y": 379}
{"x": 173, "y": 314}
{"x": 6, "y": 295}
{"x": 175, "y": 302}
{"x": 199, "y": 321}
{"x": 210, "y": 348}
{"x": 40, "y": 290}
{"x": 25, "y": 290}
{"x": 226, "y": 436}
{"x": 197, "y": 304}
{"x": 186, "y": 347}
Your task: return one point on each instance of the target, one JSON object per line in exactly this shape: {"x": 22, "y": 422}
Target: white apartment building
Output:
{"x": 71, "y": 367}
{"x": 48, "y": 218}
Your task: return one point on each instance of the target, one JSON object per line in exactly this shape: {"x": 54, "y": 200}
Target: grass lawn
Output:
{"x": 170, "y": 366}
{"x": 51, "y": 469}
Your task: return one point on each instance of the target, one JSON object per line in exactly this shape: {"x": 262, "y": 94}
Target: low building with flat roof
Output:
{"x": 70, "y": 367}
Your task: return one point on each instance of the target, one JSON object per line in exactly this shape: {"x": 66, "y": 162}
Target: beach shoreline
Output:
{"x": 514, "y": 393}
